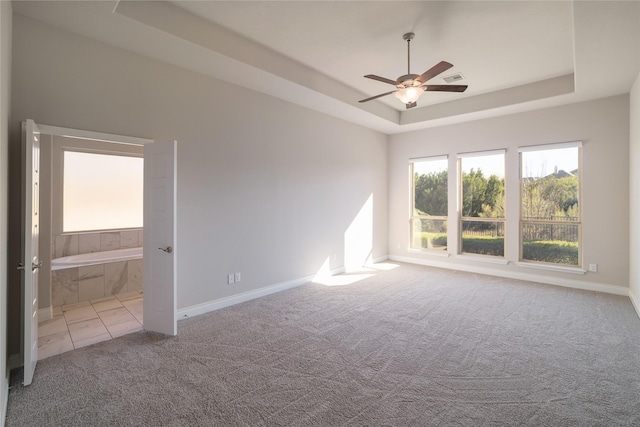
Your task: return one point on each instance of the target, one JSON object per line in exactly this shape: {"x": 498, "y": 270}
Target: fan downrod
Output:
{"x": 407, "y": 79}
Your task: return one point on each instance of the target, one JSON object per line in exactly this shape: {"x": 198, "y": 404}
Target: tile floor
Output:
{"x": 89, "y": 322}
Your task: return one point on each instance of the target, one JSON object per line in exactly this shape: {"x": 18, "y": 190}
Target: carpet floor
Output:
{"x": 405, "y": 346}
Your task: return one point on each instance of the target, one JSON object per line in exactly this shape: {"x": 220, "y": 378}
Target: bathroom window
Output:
{"x": 101, "y": 191}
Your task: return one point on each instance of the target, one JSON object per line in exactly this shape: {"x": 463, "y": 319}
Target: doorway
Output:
{"x": 159, "y": 261}
{"x": 91, "y": 237}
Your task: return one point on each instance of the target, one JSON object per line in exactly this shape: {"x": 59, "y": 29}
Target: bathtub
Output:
{"x": 95, "y": 258}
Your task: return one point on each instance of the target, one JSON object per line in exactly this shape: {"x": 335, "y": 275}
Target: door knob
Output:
{"x": 168, "y": 249}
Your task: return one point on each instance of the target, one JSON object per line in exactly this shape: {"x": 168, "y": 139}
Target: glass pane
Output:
{"x": 430, "y": 187}
{"x": 101, "y": 192}
{"x": 553, "y": 243}
{"x": 429, "y": 234}
{"x": 550, "y": 186}
{"x": 483, "y": 186}
{"x": 483, "y": 237}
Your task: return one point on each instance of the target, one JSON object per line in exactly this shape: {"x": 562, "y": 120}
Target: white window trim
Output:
{"x": 549, "y": 266}
{"x": 438, "y": 252}
{"x": 552, "y": 267}
{"x": 428, "y": 159}
{"x": 482, "y": 153}
{"x": 469, "y": 255}
{"x": 492, "y": 259}
{"x": 554, "y": 146}
{"x": 426, "y": 251}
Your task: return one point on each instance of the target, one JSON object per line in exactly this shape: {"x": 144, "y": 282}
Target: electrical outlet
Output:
{"x": 231, "y": 279}
{"x": 593, "y": 268}
{"x": 237, "y": 277}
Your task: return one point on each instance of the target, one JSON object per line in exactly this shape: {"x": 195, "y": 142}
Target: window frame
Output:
{"x": 80, "y": 145}
{"x": 462, "y": 218}
{"x": 522, "y": 221}
{"x": 412, "y": 207}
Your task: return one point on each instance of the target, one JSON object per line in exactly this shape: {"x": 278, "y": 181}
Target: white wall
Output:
{"x": 602, "y": 125}
{"x": 634, "y": 195}
{"x": 265, "y": 187}
{"x": 5, "y": 92}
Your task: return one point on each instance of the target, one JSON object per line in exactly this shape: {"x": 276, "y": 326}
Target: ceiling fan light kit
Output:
{"x": 411, "y": 86}
{"x": 409, "y": 95}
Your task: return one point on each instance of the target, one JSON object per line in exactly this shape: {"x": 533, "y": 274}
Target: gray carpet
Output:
{"x": 409, "y": 346}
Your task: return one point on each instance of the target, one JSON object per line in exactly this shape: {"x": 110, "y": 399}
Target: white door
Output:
{"x": 31, "y": 263}
{"x": 160, "y": 247}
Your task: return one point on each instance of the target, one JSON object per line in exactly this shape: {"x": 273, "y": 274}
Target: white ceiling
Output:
{"x": 495, "y": 45}
{"x": 514, "y": 55}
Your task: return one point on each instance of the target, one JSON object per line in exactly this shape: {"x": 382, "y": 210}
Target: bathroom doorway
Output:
{"x": 93, "y": 226}
{"x": 93, "y": 290}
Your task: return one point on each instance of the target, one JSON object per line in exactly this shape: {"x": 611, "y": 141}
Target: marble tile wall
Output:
{"x": 64, "y": 287}
{"x": 134, "y": 275}
{"x": 75, "y": 285}
{"x": 84, "y": 243}
{"x": 116, "y": 277}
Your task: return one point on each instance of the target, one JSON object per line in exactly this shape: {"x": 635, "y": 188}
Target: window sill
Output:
{"x": 433, "y": 252}
{"x": 484, "y": 258}
{"x": 560, "y": 268}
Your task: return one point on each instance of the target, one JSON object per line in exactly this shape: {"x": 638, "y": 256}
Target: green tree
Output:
{"x": 482, "y": 197}
{"x": 431, "y": 193}
{"x": 550, "y": 196}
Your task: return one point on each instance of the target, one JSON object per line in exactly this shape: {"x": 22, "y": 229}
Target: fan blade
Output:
{"x": 434, "y": 71}
{"x": 377, "y": 96}
{"x": 445, "y": 88}
{"x": 411, "y": 105}
{"x": 381, "y": 79}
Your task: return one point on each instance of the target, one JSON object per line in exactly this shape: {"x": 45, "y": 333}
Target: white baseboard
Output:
{"x": 548, "y": 280}
{"x": 45, "y": 314}
{"x": 209, "y": 306}
{"x": 635, "y": 302}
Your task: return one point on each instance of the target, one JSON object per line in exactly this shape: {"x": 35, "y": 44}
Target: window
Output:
{"x": 550, "y": 219}
{"x": 429, "y": 203}
{"x": 482, "y": 202}
{"x": 101, "y": 191}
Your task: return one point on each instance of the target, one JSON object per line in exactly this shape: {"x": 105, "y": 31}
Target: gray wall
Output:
{"x": 265, "y": 188}
{"x": 5, "y": 97}
{"x": 602, "y": 125}
{"x": 634, "y": 199}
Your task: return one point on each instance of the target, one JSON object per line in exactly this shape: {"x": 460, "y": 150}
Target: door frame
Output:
{"x": 99, "y": 136}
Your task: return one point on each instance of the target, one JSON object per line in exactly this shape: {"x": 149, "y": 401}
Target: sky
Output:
{"x": 423, "y": 168}
{"x": 489, "y": 165}
{"x": 534, "y": 163}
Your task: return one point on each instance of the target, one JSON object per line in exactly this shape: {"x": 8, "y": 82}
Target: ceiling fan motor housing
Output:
{"x": 408, "y": 80}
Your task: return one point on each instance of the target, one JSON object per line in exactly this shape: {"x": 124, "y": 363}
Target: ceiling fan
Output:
{"x": 411, "y": 86}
